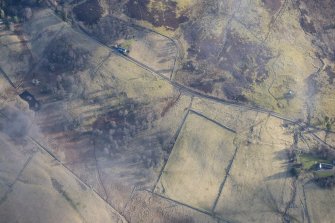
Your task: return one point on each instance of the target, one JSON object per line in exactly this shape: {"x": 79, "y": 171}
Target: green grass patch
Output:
{"x": 324, "y": 173}
{"x": 308, "y": 161}
{"x": 127, "y": 43}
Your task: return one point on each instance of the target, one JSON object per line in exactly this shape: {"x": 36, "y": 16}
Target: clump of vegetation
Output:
{"x": 88, "y": 12}
{"x": 14, "y": 11}
{"x": 324, "y": 122}
{"x": 124, "y": 122}
{"x": 61, "y": 66}
{"x": 328, "y": 122}
{"x": 158, "y": 13}
{"x": 110, "y": 29}
{"x": 310, "y": 163}
{"x": 326, "y": 181}
{"x": 114, "y": 132}
{"x": 63, "y": 57}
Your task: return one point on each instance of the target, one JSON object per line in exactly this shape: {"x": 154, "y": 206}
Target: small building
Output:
{"x": 324, "y": 166}
{"x": 289, "y": 95}
{"x": 33, "y": 103}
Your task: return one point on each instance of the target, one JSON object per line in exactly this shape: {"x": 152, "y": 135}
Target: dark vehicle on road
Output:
{"x": 121, "y": 49}
{"x": 33, "y": 103}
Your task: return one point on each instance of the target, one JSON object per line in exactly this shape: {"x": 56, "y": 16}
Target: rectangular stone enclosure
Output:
{"x": 197, "y": 164}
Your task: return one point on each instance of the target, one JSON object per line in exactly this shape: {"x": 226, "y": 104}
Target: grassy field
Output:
{"x": 198, "y": 163}
{"x": 12, "y": 48}
{"x": 320, "y": 203}
{"x": 155, "y": 51}
{"x": 258, "y": 186}
{"x": 44, "y": 191}
{"x": 308, "y": 161}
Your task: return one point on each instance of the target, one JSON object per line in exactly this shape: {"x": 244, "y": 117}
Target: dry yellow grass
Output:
{"x": 154, "y": 51}
{"x": 44, "y": 191}
{"x": 258, "y": 186}
{"x": 320, "y": 203}
{"x": 41, "y": 29}
{"x": 254, "y": 17}
{"x": 236, "y": 118}
{"x": 196, "y": 166}
{"x": 13, "y": 48}
{"x": 292, "y": 50}
{"x": 184, "y": 5}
